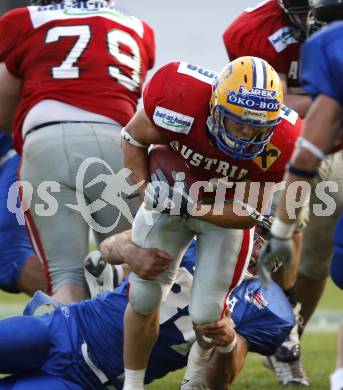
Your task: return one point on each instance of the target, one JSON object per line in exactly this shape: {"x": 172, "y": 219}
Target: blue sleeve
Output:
{"x": 263, "y": 317}
{"x": 322, "y": 63}
{"x": 5, "y": 143}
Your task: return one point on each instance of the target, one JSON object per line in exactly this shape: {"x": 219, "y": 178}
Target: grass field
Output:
{"x": 318, "y": 346}
{"x": 319, "y": 356}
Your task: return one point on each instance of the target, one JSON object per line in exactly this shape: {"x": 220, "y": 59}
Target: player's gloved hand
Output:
{"x": 160, "y": 196}
{"x": 275, "y": 252}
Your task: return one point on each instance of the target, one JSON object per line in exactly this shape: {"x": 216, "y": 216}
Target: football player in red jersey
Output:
{"x": 281, "y": 26}
{"x": 230, "y": 126}
{"x": 77, "y": 68}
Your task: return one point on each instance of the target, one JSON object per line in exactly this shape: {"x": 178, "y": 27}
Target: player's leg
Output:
{"x": 318, "y": 248}
{"x": 59, "y": 233}
{"x": 172, "y": 235}
{"x": 315, "y": 262}
{"x": 222, "y": 258}
{"x": 24, "y": 344}
{"x": 120, "y": 205}
{"x": 21, "y": 271}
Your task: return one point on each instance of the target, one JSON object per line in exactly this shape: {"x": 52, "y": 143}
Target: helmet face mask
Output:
{"x": 296, "y": 11}
{"x": 247, "y": 94}
{"x": 323, "y": 12}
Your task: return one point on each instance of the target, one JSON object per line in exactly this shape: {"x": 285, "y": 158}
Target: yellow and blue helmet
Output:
{"x": 247, "y": 91}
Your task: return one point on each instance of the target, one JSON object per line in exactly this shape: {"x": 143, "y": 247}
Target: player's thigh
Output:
{"x": 317, "y": 245}
{"x": 35, "y": 381}
{"x": 57, "y": 227}
{"x": 120, "y": 199}
{"x": 222, "y": 259}
{"x": 24, "y": 343}
{"x": 161, "y": 231}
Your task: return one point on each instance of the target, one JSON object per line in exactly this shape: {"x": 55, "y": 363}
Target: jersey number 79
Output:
{"x": 68, "y": 68}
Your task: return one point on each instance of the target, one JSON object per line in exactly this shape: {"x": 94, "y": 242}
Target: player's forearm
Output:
{"x": 136, "y": 159}
{"x": 299, "y": 103}
{"x": 115, "y": 249}
{"x": 227, "y": 217}
{"x": 223, "y": 368}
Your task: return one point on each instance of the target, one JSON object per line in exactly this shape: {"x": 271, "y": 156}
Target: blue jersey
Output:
{"x": 263, "y": 317}
{"x": 322, "y": 63}
{"x": 15, "y": 246}
{"x": 5, "y": 143}
{"x": 322, "y": 73}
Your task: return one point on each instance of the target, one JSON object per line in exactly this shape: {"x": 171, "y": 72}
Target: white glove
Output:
{"x": 160, "y": 196}
{"x": 275, "y": 251}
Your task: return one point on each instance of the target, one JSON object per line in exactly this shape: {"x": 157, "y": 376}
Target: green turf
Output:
{"x": 318, "y": 353}
{"x": 332, "y": 298}
{"x": 318, "y": 356}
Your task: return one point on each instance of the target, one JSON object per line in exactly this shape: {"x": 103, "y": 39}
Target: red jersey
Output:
{"x": 176, "y": 100}
{"x": 263, "y": 32}
{"x": 88, "y": 55}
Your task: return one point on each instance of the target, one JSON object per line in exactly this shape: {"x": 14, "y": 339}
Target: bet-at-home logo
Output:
{"x": 172, "y": 120}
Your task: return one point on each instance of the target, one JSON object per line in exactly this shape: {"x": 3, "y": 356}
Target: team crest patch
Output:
{"x": 268, "y": 157}
{"x": 257, "y": 299}
{"x": 171, "y": 120}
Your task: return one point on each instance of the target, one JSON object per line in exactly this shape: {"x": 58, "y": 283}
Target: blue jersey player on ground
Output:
{"x": 79, "y": 346}
{"x": 20, "y": 270}
{"x": 322, "y": 79}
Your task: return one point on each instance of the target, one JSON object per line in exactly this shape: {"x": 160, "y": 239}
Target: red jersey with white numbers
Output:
{"x": 88, "y": 55}
{"x": 177, "y": 99}
{"x": 263, "y": 32}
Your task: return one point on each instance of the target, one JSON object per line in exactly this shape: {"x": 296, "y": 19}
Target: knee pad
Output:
{"x": 145, "y": 295}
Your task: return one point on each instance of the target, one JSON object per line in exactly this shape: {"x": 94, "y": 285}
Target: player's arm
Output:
{"x": 223, "y": 368}
{"x": 147, "y": 263}
{"x": 320, "y": 130}
{"x": 140, "y": 133}
{"x": 232, "y": 215}
{"x": 299, "y": 103}
{"x": 319, "y": 133}
{"x": 229, "y": 355}
{"x": 9, "y": 97}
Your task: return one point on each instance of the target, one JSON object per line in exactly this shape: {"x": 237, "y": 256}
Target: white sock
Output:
{"x": 197, "y": 360}
{"x": 336, "y": 379}
{"x": 134, "y": 379}
{"x": 120, "y": 272}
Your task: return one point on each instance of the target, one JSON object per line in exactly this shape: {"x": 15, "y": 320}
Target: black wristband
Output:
{"x": 301, "y": 172}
